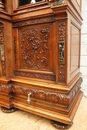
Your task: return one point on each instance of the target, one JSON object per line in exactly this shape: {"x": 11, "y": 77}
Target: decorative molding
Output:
{"x": 34, "y": 21}
{"x": 58, "y": 2}
{"x": 5, "y": 88}
{"x": 35, "y": 75}
{"x": 34, "y": 48}
{"x": 15, "y": 50}
{"x": 62, "y": 40}
{"x": 49, "y": 96}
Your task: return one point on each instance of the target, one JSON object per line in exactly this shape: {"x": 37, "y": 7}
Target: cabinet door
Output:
{"x": 35, "y": 51}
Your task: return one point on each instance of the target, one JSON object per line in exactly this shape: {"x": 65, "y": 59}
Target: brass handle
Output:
{"x": 29, "y": 99}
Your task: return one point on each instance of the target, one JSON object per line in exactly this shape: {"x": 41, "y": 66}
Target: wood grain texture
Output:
{"x": 41, "y": 58}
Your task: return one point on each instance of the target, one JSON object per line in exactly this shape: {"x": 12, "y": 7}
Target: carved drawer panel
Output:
{"x": 46, "y": 95}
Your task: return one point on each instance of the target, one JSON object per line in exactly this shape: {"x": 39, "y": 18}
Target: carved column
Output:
{"x": 2, "y": 7}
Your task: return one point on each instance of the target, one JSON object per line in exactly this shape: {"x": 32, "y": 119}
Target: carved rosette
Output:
{"x": 62, "y": 40}
{"x": 48, "y": 96}
{"x": 2, "y": 57}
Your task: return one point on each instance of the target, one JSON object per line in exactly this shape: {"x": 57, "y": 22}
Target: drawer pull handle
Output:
{"x": 29, "y": 99}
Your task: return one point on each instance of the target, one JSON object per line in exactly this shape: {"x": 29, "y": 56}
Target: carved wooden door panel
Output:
{"x": 34, "y": 57}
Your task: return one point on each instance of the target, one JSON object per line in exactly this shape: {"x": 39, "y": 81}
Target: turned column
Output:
{"x": 2, "y": 7}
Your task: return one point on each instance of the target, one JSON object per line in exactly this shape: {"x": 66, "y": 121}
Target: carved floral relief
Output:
{"x": 34, "y": 48}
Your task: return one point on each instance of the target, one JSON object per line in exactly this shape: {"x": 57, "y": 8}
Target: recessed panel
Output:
{"x": 35, "y": 47}
{"x": 74, "y": 48}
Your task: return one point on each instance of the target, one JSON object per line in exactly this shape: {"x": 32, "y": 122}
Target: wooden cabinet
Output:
{"x": 40, "y": 58}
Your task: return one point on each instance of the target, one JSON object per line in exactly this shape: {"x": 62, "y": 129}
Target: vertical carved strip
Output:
{"x": 2, "y": 57}
{"x": 15, "y": 51}
{"x": 3, "y": 60}
{"x": 61, "y": 40}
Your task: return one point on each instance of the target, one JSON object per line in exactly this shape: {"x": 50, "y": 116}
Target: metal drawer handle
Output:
{"x": 29, "y": 99}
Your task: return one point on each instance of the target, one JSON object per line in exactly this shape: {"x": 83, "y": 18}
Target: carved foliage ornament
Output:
{"x": 34, "y": 48}
{"x": 54, "y": 97}
{"x": 62, "y": 40}
{"x": 35, "y": 75}
{"x": 34, "y": 21}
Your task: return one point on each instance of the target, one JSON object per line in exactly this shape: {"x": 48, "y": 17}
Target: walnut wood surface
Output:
{"x": 40, "y": 58}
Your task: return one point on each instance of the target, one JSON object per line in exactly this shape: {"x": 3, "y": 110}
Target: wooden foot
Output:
{"x": 59, "y": 125}
{"x": 8, "y": 110}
